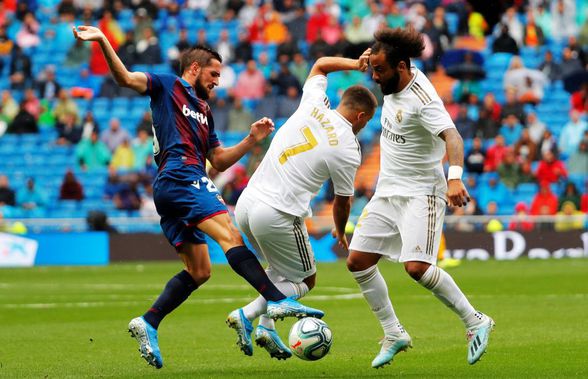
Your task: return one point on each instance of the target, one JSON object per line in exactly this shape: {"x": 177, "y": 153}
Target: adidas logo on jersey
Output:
{"x": 418, "y": 249}
{"x": 195, "y": 115}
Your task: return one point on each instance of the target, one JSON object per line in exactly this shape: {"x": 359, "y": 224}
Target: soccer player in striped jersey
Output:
{"x": 315, "y": 144}
{"x": 404, "y": 219}
{"x": 186, "y": 199}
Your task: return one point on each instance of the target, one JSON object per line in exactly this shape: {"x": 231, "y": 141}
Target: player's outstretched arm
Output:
{"x": 457, "y": 195}
{"x": 222, "y": 158}
{"x": 341, "y": 208}
{"x": 124, "y": 78}
{"x": 325, "y": 65}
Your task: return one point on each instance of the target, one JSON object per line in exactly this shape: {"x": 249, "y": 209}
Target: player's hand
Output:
{"x": 341, "y": 239}
{"x": 364, "y": 61}
{"x": 457, "y": 195}
{"x": 87, "y": 33}
{"x": 261, "y": 129}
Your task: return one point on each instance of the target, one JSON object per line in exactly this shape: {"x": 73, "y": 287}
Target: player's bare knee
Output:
{"x": 355, "y": 263}
{"x": 416, "y": 269}
{"x": 200, "y": 275}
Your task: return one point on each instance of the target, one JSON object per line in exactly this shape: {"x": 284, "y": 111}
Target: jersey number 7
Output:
{"x": 310, "y": 143}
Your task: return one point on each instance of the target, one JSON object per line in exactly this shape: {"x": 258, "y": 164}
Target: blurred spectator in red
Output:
{"x": 7, "y": 194}
{"x": 578, "y": 161}
{"x": 495, "y": 154}
{"x": 250, "y": 83}
{"x": 533, "y": 34}
{"x": 71, "y": 188}
{"x": 509, "y": 170}
{"x": 579, "y": 99}
{"x": 584, "y": 203}
{"x": 115, "y": 36}
{"x": 32, "y": 103}
{"x": 474, "y": 159}
{"x": 525, "y": 148}
{"x": 550, "y": 169}
{"x": 545, "y": 201}
{"x": 257, "y": 30}
{"x": 332, "y": 32}
{"x": 571, "y": 194}
{"x": 233, "y": 189}
{"x": 23, "y": 122}
{"x": 28, "y": 34}
{"x": 520, "y": 221}
{"x": 317, "y": 20}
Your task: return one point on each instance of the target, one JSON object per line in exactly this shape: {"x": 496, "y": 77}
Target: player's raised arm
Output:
{"x": 222, "y": 158}
{"x": 325, "y": 65}
{"x": 456, "y": 192}
{"x": 123, "y": 77}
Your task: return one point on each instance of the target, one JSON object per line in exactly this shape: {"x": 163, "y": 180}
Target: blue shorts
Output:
{"x": 183, "y": 205}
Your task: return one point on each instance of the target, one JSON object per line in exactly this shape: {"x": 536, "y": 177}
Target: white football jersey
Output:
{"x": 411, "y": 150}
{"x": 315, "y": 144}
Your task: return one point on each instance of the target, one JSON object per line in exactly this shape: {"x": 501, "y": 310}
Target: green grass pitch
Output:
{"x": 71, "y": 322}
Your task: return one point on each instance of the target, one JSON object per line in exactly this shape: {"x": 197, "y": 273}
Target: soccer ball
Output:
{"x": 310, "y": 339}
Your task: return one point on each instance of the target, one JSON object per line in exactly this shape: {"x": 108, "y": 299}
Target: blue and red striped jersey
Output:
{"x": 183, "y": 127}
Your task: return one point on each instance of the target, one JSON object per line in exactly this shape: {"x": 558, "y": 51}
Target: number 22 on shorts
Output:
{"x": 209, "y": 184}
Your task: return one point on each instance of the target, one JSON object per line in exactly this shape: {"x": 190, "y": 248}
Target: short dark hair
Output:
{"x": 399, "y": 44}
{"x": 359, "y": 98}
{"x": 200, "y": 54}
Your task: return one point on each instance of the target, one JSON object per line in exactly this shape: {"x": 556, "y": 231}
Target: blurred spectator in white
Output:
{"x": 148, "y": 48}
{"x": 510, "y": 18}
{"x": 550, "y": 68}
{"x": 525, "y": 148}
{"x": 89, "y": 125}
{"x": 371, "y": 22}
{"x": 31, "y": 197}
{"x": 224, "y": 47}
{"x": 250, "y": 83}
{"x": 572, "y": 133}
{"x": 356, "y": 33}
{"x": 23, "y": 122}
{"x": 563, "y": 16}
{"x": 416, "y": 15}
{"x": 20, "y": 69}
{"x": 240, "y": 119}
{"x": 28, "y": 34}
{"x": 532, "y": 33}
{"x": 114, "y": 135}
{"x": 548, "y": 143}
{"x": 528, "y": 83}
{"x": 65, "y": 106}
{"x": 71, "y": 188}
{"x": 8, "y": 106}
{"x": 48, "y": 85}
{"x": 7, "y": 194}
{"x": 228, "y": 78}
{"x": 248, "y": 12}
{"x": 288, "y": 104}
{"x": 536, "y": 128}
{"x": 148, "y": 208}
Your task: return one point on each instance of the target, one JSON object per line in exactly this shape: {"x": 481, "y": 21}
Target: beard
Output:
{"x": 391, "y": 86}
{"x": 201, "y": 90}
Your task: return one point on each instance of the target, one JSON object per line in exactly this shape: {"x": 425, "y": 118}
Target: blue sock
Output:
{"x": 245, "y": 263}
{"x": 176, "y": 291}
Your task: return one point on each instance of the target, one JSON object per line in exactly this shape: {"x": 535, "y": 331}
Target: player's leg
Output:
{"x": 194, "y": 253}
{"x": 425, "y": 214}
{"x": 245, "y": 263}
{"x": 376, "y": 235}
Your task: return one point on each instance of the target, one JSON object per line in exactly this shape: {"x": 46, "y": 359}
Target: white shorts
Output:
{"x": 281, "y": 238}
{"x": 401, "y": 228}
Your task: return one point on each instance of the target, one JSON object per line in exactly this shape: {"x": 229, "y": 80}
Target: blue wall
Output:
{"x": 89, "y": 248}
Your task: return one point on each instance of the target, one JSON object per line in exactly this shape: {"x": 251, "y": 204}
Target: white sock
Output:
{"x": 445, "y": 289}
{"x": 374, "y": 289}
{"x": 258, "y": 306}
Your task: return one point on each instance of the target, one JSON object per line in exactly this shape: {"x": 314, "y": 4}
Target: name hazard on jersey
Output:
{"x": 195, "y": 115}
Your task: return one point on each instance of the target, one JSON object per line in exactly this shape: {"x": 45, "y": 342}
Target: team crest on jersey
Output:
{"x": 399, "y": 116}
